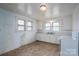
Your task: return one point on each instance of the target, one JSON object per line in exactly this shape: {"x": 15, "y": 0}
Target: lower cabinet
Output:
{"x": 47, "y": 38}
{"x": 68, "y": 46}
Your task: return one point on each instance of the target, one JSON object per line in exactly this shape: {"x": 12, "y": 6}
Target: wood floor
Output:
{"x": 35, "y": 49}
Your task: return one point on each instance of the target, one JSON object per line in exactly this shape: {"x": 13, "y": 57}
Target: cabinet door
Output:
{"x": 68, "y": 47}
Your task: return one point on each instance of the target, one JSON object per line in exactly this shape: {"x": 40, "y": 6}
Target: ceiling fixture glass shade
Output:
{"x": 43, "y": 7}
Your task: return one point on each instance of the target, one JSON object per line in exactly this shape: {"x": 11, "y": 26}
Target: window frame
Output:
{"x": 20, "y": 24}
{"x": 52, "y": 27}
{"x": 47, "y": 26}
{"x": 56, "y": 26}
{"x": 29, "y": 26}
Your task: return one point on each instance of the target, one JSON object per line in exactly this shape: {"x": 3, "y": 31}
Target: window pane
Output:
{"x": 55, "y": 28}
{"x": 48, "y": 24}
{"x": 47, "y": 28}
{"x": 29, "y": 23}
{"x": 55, "y": 24}
{"x": 21, "y": 22}
{"x": 29, "y": 28}
{"x": 20, "y": 27}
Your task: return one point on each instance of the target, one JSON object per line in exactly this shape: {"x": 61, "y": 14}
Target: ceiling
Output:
{"x": 33, "y": 9}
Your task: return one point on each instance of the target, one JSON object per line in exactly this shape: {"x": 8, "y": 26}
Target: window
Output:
{"x": 29, "y": 26}
{"x": 21, "y": 22}
{"x": 21, "y": 25}
{"x": 56, "y": 27}
{"x": 52, "y": 26}
{"x": 47, "y": 26}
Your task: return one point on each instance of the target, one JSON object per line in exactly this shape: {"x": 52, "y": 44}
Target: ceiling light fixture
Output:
{"x": 43, "y": 7}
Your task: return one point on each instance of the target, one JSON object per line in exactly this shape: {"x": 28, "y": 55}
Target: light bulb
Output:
{"x": 43, "y": 7}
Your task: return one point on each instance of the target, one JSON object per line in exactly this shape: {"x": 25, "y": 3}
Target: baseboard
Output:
{"x": 8, "y": 50}
{"x": 15, "y": 48}
{"x": 46, "y": 42}
{"x": 26, "y": 44}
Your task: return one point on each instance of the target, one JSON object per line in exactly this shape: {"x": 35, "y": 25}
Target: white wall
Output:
{"x": 70, "y": 47}
{"x": 66, "y": 29}
{"x": 76, "y": 19}
{"x": 75, "y": 28}
{"x": 10, "y": 38}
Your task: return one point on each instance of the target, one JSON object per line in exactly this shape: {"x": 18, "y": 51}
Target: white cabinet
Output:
{"x": 47, "y": 38}
{"x": 68, "y": 46}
